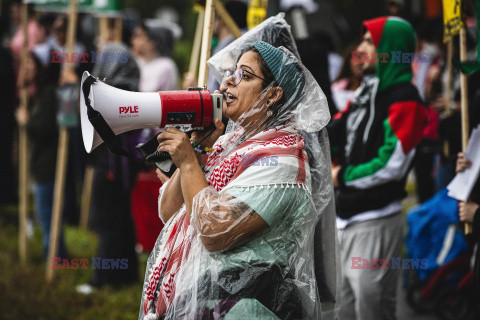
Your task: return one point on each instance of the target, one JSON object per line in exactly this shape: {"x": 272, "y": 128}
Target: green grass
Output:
{"x": 25, "y": 294}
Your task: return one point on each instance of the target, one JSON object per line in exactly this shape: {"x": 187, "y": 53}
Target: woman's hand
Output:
{"x": 210, "y": 141}
{"x": 177, "y": 144}
{"x": 462, "y": 163}
{"x": 466, "y": 211}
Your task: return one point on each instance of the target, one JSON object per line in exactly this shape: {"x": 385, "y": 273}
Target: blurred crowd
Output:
{"x": 124, "y": 192}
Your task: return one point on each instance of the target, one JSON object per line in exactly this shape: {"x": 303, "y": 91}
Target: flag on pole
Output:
{"x": 452, "y": 19}
{"x": 198, "y": 5}
{"x": 257, "y": 12}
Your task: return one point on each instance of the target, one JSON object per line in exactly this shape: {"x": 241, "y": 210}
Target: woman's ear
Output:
{"x": 276, "y": 95}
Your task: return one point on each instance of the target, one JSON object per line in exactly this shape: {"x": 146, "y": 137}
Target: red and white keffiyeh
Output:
{"x": 222, "y": 169}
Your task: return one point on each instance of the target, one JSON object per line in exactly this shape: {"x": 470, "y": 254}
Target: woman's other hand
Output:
{"x": 466, "y": 211}
{"x": 462, "y": 163}
{"x": 177, "y": 144}
{"x": 210, "y": 141}
{"x": 161, "y": 176}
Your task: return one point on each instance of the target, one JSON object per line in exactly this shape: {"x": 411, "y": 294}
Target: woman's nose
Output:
{"x": 223, "y": 87}
{"x": 228, "y": 81}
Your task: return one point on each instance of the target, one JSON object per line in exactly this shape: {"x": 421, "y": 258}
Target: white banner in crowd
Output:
{"x": 462, "y": 185}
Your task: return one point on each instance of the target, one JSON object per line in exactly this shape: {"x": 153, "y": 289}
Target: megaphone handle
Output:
{"x": 158, "y": 156}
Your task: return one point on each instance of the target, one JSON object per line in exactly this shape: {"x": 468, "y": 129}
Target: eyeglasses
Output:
{"x": 237, "y": 76}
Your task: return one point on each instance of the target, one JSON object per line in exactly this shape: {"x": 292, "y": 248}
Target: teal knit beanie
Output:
{"x": 284, "y": 70}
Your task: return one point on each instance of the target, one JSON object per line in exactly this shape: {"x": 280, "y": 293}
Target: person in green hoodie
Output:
{"x": 374, "y": 141}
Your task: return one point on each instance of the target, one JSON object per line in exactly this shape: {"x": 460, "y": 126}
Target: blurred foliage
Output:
{"x": 181, "y": 55}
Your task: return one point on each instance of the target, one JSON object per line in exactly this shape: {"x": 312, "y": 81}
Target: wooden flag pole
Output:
{"x": 448, "y": 89}
{"x": 23, "y": 147}
{"x": 197, "y": 42}
{"x": 206, "y": 26}
{"x": 227, "y": 19}
{"x": 206, "y": 42}
{"x": 103, "y": 26}
{"x": 117, "y": 31}
{"x": 62, "y": 157}
{"x": 464, "y": 90}
{"x": 464, "y": 102}
{"x": 86, "y": 197}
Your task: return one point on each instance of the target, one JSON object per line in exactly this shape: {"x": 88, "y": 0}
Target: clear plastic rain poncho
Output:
{"x": 261, "y": 240}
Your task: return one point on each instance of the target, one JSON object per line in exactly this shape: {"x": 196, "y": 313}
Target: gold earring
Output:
{"x": 269, "y": 113}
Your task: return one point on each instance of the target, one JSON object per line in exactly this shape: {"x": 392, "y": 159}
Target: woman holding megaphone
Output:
{"x": 239, "y": 225}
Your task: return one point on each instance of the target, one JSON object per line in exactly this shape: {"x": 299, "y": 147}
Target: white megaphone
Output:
{"x": 125, "y": 110}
